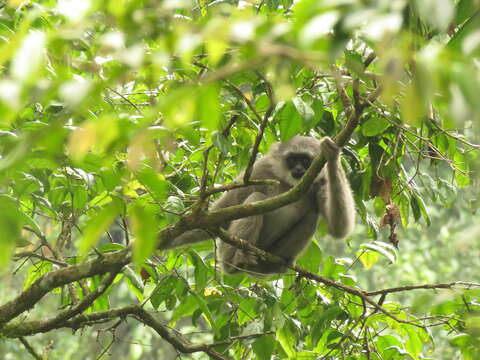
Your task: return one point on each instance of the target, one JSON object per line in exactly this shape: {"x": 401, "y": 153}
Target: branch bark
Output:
{"x": 112, "y": 262}
{"x": 177, "y": 340}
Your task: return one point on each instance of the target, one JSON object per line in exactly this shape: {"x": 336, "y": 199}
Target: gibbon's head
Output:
{"x": 293, "y": 158}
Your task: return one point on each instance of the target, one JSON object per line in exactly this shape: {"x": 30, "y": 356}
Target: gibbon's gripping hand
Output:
{"x": 330, "y": 150}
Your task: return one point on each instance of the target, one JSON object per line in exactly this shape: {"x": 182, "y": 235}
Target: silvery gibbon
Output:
{"x": 286, "y": 231}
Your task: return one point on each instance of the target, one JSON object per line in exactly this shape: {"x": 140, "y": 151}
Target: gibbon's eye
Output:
{"x": 291, "y": 161}
{"x": 302, "y": 160}
{"x": 306, "y": 162}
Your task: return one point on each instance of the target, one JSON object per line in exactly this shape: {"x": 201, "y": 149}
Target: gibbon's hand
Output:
{"x": 330, "y": 150}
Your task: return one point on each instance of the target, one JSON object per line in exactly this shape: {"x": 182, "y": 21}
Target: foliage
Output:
{"x": 118, "y": 116}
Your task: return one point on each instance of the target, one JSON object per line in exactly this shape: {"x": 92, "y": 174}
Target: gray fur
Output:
{"x": 286, "y": 231}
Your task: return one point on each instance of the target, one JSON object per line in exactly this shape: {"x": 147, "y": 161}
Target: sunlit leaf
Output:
{"x": 208, "y": 106}
{"x": 287, "y": 339}
{"x": 290, "y": 122}
{"x": 144, "y": 227}
{"x": 368, "y": 258}
{"x": 98, "y": 224}
{"x": 264, "y": 347}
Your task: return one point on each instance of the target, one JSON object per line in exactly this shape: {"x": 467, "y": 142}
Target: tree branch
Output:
{"x": 266, "y": 256}
{"x": 424, "y": 286}
{"x": 41, "y": 326}
{"x": 30, "y": 349}
{"x": 258, "y": 139}
{"x": 175, "y": 339}
{"x": 111, "y": 262}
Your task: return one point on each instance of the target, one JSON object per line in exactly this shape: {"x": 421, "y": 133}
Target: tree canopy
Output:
{"x": 122, "y": 120}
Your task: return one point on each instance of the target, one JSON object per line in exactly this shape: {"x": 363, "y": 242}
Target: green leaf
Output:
{"x": 155, "y": 183}
{"x": 461, "y": 175}
{"x": 264, "y": 347}
{"x": 470, "y": 27}
{"x": 290, "y": 122}
{"x": 101, "y": 303}
{"x": 368, "y": 258}
{"x": 374, "y": 126}
{"x": 327, "y": 340}
{"x": 80, "y": 198}
{"x": 221, "y": 142}
{"x": 354, "y": 62}
{"x": 418, "y": 208}
{"x": 305, "y": 111}
{"x": 203, "y": 305}
{"x": 318, "y": 108}
{"x": 312, "y": 258}
{"x": 324, "y": 319}
{"x": 413, "y": 105}
{"x": 414, "y": 345}
{"x": 201, "y": 270}
{"x": 382, "y": 248}
{"x": 208, "y": 107}
{"x": 465, "y": 9}
{"x": 415, "y": 207}
{"x": 35, "y": 272}
{"x": 144, "y": 227}
{"x": 27, "y": 220}
{"x": 11, "y": 222}
{"x": 178, "y": 107}
{"x": 287, "y": 338}
{"x": 262, "y": 103}
{"x": 385, "y": 342}
{"x": 188, "y": 305}
{"x": 327, "y": 122}
{"x": 98, "y": 224}
{"x": 164, "y": 290}
{"x": 247, "y": 311}
{"x": 331, "y": 269}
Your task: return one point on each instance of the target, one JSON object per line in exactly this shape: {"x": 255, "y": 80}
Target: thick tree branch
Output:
{"x": 111, "y": 262}
{"x": 237, "y": 185}
{"x": 178, "y": 341}
{"x": 27, "y": 328}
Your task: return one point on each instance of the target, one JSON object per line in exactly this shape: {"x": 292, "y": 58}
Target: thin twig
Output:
{"x": 30, "y": 254}
{"x": 30, "y": 349}
{"x": 258, "y": 139}
{"x": 424, "y": 286}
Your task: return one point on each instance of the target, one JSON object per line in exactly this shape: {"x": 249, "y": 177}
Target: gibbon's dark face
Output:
{"x": 298, "y": 164}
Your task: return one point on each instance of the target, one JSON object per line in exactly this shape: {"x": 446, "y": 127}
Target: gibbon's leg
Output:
{"x": 291, "y": 245}
{"x": 338, "y": 207}
{"x": 248, "y": 229}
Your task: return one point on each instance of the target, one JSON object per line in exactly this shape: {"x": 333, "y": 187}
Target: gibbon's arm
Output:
{"x": 338, "y": 208}
{"x": 188, "y": 237}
